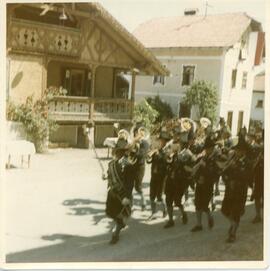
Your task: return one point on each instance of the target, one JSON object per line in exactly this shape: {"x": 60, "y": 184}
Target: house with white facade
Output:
{"x": 223, "y": 49}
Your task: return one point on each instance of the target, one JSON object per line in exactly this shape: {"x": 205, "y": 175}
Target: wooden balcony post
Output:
{"x": 92, "y": 94}
{"x": 132, "y": 94}
{"x": 44, "y": 74}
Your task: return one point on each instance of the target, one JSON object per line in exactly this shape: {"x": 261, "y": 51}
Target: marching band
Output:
{"x": 184, "y": 154}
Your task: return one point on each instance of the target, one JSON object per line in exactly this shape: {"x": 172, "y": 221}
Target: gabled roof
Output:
{"x": 145, "y": 61}
{"x": 221, "y": 30}
{"x": 152, "y": 65}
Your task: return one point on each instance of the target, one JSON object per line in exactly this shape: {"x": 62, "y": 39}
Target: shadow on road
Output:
{"x": 148, "y": 241}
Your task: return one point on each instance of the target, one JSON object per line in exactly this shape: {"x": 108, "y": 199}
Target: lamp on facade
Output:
{"x": 63, "y": 16}
{"x": 89, "y": 76}
{"x": 67, "y": 73}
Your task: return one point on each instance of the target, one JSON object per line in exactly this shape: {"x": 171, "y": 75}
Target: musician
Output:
{"x": 205, "y": 176}
{"x": 236, "y": 185}
{"x": 258, "y": 187}
{"x": 258, "y": 178}
{"x": 119, "y": 197}
{"x": 138, "y": 169}
{"x": 157, "y": 158}
{"x": 223, "y": 127}
{"x": 178, "y": 180}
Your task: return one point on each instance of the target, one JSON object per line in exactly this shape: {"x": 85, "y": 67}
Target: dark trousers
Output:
{"x": 139, "y": 171}
{"x": 156, "y": 187}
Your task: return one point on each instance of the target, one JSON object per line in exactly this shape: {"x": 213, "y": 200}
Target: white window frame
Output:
{"x": 181, "y": 77}
{"x": 158, "y": 84}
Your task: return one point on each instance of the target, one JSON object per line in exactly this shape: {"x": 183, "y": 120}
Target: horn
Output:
{"x": 205, "y": 122}
{"x": 187, "y": 124}
{"x": 123, "y": 134}
{"x": 144, "y": 133}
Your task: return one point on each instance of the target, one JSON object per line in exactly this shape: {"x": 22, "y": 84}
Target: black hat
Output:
{"x": 138, "y": 125}
{"x": 242, "y": 145}
{"x": 121, "y": 144}
{"x": 164, "y": 135}
{"x": 177, "y": 130}
{"x": 221, "y": 120}
{"x": 209, "y": 142}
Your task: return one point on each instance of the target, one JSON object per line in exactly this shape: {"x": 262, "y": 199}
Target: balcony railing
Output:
{"x": 82, "y": 109}
{"x": 43, "y": 38}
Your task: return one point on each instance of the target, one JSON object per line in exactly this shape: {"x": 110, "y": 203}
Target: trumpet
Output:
{"x": 150, "y": 154}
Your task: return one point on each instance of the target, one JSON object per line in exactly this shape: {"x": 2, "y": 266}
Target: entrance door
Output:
{"x": 240, "y": 120}
{"x": 77, "y": 78}
{"x": 229, "y": 119}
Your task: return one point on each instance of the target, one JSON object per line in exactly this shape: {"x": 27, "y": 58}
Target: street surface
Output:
{"x": 55, "y": 213}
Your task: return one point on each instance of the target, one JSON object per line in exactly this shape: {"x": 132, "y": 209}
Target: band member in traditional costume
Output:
{"x": 258, "y": 187}
{"x": 237, "y": 171}
{"x": 223, "y": 127}
{"x": 205, "y": 173}
{"x": 157, "y": 158}
{"x": 119, "y": 197}
{"x": 178, "y": 180}
{"x": 258, "y": 177}
{"x": 138, "y": 170}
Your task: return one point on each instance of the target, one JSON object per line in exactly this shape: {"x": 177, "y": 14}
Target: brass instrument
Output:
{"x": 205, "y": 122}
{"x": 123, "y": 134}
{"x": 132, "y": 152}
{"x": 203, "y": 157}
{"x": 232, "y": 161}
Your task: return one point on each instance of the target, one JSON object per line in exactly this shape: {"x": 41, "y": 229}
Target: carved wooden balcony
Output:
{"x": 83, "y": 109}
{"x": 43, "y": 38}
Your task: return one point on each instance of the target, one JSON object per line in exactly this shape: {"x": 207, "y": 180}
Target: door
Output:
{"x": 77, "y": 78}
{"x": 240, "y": 121}
{"x": 229, "y": 119}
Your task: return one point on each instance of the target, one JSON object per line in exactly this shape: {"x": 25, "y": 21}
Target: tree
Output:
{"x": 163, "y": 108}
{"x": 144, "y": 113}
{"x": 203, "y": 95}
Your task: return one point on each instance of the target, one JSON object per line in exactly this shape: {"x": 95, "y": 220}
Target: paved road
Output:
{"x": 55, "y": 213}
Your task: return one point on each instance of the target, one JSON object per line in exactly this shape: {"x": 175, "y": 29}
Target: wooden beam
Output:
{"x": 93, "y": 14}
{"x": 93, "y": 85}
{"x": 133, "y": 79}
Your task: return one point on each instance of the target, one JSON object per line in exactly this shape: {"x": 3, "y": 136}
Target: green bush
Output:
{"x": 144, "y": 113}
{"x": 163, "y": 108}
{"x": 204, "y": 95}
{"x": 34, "y": 116}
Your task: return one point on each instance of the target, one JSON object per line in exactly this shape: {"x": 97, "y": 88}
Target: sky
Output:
{"x": 131, "y": 13}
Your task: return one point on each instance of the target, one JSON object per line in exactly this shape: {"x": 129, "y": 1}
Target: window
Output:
{"x": 259, "y": 104}
{"x": 159, "y": 79}
{"x": 244, "y": 80}
{"x": 229, "y": 119}
{"x": 234, "y": 73}
{"x": 121, "y": 84}
{"x": 188, "y": 75}
{"x": 240, "y": 120}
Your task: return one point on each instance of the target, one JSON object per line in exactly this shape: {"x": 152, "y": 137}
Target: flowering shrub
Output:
{"x": 34, "y": 116}
{"x": 144, "y": 113}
